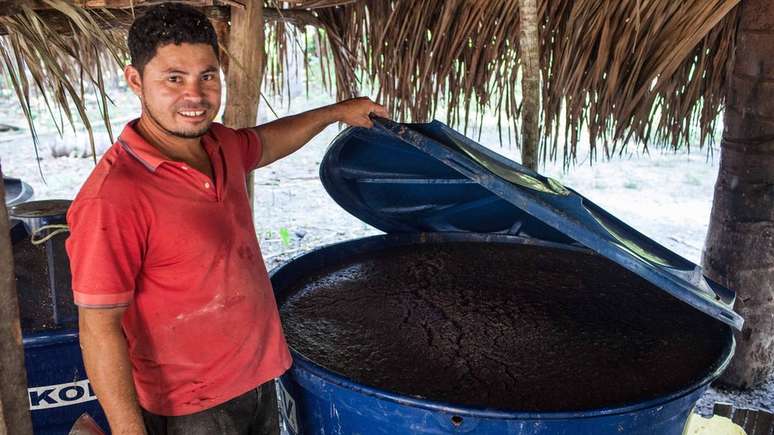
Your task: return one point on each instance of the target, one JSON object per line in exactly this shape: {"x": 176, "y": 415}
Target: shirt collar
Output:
{"x": 139, "y": 148}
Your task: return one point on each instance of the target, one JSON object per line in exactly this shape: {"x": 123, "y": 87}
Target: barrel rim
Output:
{"x": 28, "y": 210}
{"x": 303, "y": 363}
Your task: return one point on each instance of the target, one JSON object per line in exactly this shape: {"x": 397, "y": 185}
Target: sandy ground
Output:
{"x": 665, "y": 195}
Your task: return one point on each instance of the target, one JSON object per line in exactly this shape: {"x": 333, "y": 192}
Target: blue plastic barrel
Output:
{"x": 315, "y": 400}
{"x": 59, "y": 391}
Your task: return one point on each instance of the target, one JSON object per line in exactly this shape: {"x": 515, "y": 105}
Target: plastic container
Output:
{"x": 59, "y": 391}
{"x": 426, "y": 184}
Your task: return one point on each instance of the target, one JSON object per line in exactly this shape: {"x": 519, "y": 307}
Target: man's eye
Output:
{"x": 208, "y": 77}
{"x": 174, "y": 79}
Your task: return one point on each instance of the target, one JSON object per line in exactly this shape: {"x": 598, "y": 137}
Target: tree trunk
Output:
{"x": 529, "y": 53}
{"x": 245, "y": 70}
{"x": 739, "y": 250}
{"x": 14, "y": 404}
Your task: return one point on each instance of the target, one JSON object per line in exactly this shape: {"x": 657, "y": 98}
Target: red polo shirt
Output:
{"x": 180, "y": 251}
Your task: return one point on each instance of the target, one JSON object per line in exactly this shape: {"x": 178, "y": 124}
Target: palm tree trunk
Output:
{"x": 739, "y": 250}
{"x": 529, "y": 53}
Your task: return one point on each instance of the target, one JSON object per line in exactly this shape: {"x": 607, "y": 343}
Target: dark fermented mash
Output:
{"x": 512, "y": 327}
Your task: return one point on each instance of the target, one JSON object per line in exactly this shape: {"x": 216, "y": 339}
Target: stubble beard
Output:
{"x": 181, "y": 134}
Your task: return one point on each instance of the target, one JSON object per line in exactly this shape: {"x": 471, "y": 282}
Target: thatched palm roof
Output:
{"x": 649, "y": 71}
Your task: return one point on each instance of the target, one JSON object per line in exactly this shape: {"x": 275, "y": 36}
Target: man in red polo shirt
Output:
{"x": 178, "y": 324}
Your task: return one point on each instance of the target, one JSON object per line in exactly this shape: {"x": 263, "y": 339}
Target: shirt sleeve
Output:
{"x": 252, "y": 147}
{"x": 105, "y": 247}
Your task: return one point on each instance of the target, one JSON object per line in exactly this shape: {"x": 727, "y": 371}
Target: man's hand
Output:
{"x": 355, "y": 112}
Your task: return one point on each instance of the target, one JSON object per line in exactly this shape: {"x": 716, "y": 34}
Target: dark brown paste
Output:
{"x": 504, "y": 326}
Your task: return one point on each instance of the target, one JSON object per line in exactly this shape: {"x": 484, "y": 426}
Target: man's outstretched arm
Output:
{"x": 106, "y": 358}
{"x": 286, "y": 135}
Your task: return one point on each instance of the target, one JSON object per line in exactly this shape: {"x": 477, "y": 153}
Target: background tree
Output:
{"x": 739, "y": 251}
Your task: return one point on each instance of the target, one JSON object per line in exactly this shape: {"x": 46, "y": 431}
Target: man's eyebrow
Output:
{"x": 209, "y": 69}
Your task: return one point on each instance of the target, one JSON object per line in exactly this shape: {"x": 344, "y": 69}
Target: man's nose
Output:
{"x": 194, "y": 91}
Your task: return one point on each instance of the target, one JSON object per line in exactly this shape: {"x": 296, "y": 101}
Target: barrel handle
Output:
{"x": 57, "y": 229}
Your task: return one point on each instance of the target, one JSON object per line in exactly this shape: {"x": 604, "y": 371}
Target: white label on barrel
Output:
{"x": 288, "y": 408}
{"x": 54, "y": 396}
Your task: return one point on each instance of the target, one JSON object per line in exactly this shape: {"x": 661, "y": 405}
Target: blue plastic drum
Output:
{"x": 59, "y": 391}
{"x": 316, "y": 400}
{"x": 425, "y": 184}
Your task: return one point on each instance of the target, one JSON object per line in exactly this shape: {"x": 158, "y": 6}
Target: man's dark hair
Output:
{"x": 168, "y": 23}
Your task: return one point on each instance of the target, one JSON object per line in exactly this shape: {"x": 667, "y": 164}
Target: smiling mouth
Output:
{"x": 192, "y": 113}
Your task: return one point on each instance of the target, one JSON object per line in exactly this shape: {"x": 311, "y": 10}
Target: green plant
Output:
{"x": 284, "y": 236}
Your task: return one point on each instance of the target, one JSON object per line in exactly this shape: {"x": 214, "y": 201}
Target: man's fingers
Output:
{"x": 379, "y": 110}
{"x": 361, "y": 108}
{"x": 365, "y": 122}
{"x": 382, "y": 112}
{"x": 360, "y": 121}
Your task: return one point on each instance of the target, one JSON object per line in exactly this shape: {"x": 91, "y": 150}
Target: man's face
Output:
{"x": 180, "y": 88}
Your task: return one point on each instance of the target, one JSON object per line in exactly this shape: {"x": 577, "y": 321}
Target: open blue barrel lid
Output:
{"x": 430, "y": 178}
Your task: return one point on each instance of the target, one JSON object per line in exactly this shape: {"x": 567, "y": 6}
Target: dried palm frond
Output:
{"x": 62, "y": 69}
{"x": 640, "y": 70}
{"x": 316, "y": 4}
{"x": 633, "y": 71}
{"x": 308, "y": 35}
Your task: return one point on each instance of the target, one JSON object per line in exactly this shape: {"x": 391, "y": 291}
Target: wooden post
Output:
{"x": 245, "y": 71}
{"x": 14, "y": 404}
{"x": 219, "y": 17}
{"x": 529, "y": 53}
{"x": 739, "y": 250}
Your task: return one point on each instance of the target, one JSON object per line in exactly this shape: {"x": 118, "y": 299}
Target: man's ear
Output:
{"x": 133, "y": 79}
